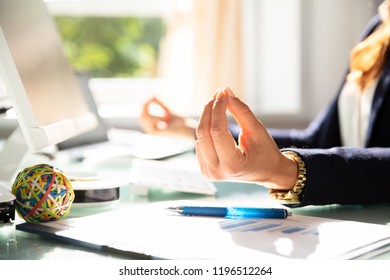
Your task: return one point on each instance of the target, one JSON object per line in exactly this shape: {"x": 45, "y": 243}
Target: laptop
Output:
{"x": 103, "y": 141}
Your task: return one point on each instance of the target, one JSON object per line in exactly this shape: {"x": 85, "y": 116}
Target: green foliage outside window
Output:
{"x": 112, "y": 47}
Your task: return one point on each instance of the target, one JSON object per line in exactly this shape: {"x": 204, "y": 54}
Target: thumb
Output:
{"x": 242, "y": 113}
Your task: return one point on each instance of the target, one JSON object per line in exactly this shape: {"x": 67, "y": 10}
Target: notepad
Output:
{"x": 149, "y": 231}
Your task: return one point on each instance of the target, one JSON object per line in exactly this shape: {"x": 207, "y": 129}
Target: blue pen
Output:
{"x": 232, "y": 212}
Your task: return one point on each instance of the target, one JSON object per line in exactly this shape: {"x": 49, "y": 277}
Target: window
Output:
{"x": 117, "y": 43}
{"x": 112, "y": 47}
{"x": 274, "y": 64}
{"x": 275, "y": 54}
{"x": 203, "y": 52}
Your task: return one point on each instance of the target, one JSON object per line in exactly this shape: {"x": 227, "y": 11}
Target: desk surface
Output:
{"x": 15, "y": 244}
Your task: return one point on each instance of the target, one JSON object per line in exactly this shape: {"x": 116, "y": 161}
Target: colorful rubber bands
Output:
{"x": 43, "y": 193}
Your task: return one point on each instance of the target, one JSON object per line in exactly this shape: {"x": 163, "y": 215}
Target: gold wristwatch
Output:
{"x": 293, "y": 197}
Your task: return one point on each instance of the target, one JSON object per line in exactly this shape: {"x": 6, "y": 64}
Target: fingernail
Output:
{"x": 229, "y": 92}
{"x": 211, "y": 99}
{"x": 216, "y": 93}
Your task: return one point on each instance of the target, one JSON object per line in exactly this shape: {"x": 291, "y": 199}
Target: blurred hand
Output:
{"x": 255, "y": 159}
{"x": 165, "y": 123}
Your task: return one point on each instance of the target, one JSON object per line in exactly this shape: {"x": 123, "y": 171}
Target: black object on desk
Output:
{"x": 7, "y": 206}
{"x": 4, "y": 110}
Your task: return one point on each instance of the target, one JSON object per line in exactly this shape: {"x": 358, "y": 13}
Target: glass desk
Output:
{"x": 20, "y": 245}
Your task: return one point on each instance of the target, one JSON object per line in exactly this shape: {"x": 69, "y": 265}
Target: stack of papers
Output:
{"x": 150, "y": 231}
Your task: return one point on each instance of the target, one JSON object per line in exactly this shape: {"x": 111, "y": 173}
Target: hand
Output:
{"x": 255, "y": 159}
{"x": 165, "y": 124}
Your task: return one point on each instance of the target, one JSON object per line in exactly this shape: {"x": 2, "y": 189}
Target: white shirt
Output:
{"x": 354, "y": 113}
{"x": 355, "y": 106}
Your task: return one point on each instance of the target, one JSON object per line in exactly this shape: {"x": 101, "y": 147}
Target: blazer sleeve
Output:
{"x": 346, "y": 175}
{"x": 323, "y": 132}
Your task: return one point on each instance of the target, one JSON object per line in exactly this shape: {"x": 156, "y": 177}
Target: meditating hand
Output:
{"x": 256, "y": 158}
{"x": 166, "y": 123}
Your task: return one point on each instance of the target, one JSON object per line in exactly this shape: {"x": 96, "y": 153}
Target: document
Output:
{"x": 151, "y": 231}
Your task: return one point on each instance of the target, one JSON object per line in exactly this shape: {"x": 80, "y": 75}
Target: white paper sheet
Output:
{"x": 151, "y": 230}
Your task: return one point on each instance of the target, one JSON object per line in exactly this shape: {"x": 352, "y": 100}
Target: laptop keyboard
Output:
{"x": 134, "y": 144}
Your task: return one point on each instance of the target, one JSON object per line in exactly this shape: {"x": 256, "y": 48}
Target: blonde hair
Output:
{"x": 368, "y": 57}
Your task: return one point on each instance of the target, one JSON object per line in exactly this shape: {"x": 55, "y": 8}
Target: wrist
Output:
{"x": 290, "y": 174}
{"x": 293, "y": 195}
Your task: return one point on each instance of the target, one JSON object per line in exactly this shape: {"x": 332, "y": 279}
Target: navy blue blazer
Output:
{"x": 345, "y": 175}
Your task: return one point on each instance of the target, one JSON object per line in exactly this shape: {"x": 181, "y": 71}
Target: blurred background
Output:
{"x": 285, "y": 58}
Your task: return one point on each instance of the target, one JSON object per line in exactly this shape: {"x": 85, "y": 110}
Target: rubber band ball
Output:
{"x": 43, "y": 193}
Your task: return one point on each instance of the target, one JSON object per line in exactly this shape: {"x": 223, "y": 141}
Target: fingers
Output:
{"x": 145, "y": 108}
{"x": 205, "y": 149}
{"x": 204, "y": 146}
{"x": 215, "y": 147}
{"x": 167, "y": 112}
{"x": 224, "y": 143}
{"x": 165, "y": 115}
{"x": 242, "y": 113}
